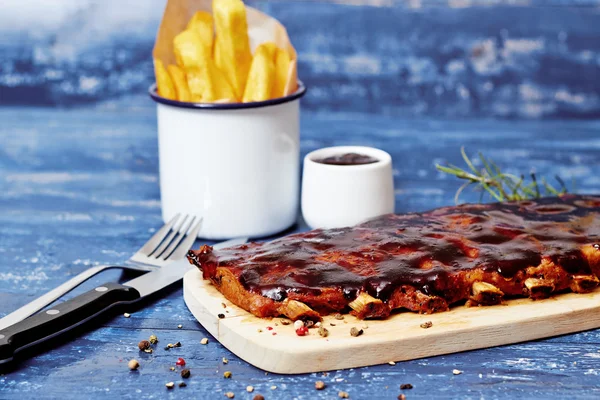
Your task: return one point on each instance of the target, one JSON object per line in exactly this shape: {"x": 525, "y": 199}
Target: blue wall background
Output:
{"x": 444, "y": 58}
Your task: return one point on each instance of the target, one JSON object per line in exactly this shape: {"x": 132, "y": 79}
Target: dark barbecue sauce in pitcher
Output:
{"x": 347, "y": 159}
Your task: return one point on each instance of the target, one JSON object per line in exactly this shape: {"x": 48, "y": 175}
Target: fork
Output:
{"x": 162, "y": 248}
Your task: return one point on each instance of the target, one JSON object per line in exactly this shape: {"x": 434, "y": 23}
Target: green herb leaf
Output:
{"x": 500, "y": 186}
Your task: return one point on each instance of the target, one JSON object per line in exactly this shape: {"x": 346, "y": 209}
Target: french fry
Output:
{"x": 180, "y": 83}
{"x": 163, "y": 81}
{"x": 202, "y": 23}
{"x": 282, "y": 68}
{"x": 292, "y": 79}
{"x": 208, "y": 84}
{"x": 189, "y": 49}
{"x": 261, "y": 78}
{"x": 233, "y": 55}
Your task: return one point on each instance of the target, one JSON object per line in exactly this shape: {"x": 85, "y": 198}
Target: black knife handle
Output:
{"x": 62, "y": 317}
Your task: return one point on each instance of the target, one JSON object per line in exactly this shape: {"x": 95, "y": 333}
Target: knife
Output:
{"x": 74, "y": 312}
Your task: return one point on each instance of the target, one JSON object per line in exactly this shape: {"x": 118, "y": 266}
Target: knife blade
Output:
{"x": 74, "y": 312}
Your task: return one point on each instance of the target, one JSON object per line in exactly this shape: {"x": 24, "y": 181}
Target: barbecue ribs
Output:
{"x": 423, "y": 262}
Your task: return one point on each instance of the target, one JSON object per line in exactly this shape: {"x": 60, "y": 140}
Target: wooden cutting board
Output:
{"x": 398, "y": 338}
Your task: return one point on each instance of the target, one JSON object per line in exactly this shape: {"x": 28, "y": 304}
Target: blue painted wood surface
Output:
{"x": 79, "y": 187}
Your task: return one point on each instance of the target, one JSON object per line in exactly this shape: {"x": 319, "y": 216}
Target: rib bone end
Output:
{"x": 367, "y": 306}
{"x": 538, "y": 288}
{"x": 484, "y": 293}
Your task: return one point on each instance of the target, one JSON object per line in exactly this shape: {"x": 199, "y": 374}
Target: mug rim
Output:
{"x": 300, "y": 91}
{"x": 383, "y": 157}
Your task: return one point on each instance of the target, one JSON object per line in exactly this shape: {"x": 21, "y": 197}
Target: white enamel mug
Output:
{"x": 335, "y": 196}
{"x": 237, "y": 165}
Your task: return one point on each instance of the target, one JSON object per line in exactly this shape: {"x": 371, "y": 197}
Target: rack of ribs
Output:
{"x": 479, "y": 254}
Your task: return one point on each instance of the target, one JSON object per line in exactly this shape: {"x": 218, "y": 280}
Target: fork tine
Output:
{"x": 156, "y": 253}
{"x": 186, "y": 245}
{"x": 158, "y": 237}
{"x": 182, "y": 232}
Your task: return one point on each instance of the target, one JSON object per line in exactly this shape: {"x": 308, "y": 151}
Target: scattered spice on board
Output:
{"x": 170, "y": 385}
{"x": 269, "y": 328}
{"x": 457, "y": 371}
{"x": 285, "y": 322}
{"x": 319, "y": 385}
{"x": 178, "y": 344}
{"x": 401, "y": 397}
{"x": 185, "y": 373}
{"x": 332, "y": 324}
{"x": 221, "y": 316}
{"x": 406, "y": 386}
{"x": 182, "y": 384}
{"x": 323, "y": 331}
{"x": 273, "y": 387}
{"x": 133, "y": 364}
{"x": 225, "y": 361}
{"x": 127, "y": 315}
{"x": 392, "y": 363}
{"x": 179, "y": 326}
{"x": 204, "y": 341}
{"x": 227, "y": 374}
{"x": 224, "y": 305}
{"x": 338, "y": 316}
{"x": 148, "y": 351}
{"x": 153, "y": 339}
{"x": 343, "y": 395}
{"x": 143, "y": 345}
{"x": 172, "y": 368}
{"x": 180, "y": 362}
{"x": 258, "y": 397}
{"x": 230, "y": 395}
{"x": 259, "y": 330}
{"x": 302, "y": 331}
{"x": 249, "y": 389}
{"x": 426, "y": 325}
{"x": 355, "y": 332}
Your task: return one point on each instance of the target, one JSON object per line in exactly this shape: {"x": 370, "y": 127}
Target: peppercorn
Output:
{"x": 227, "y": 374}
{"x": 185, "y": 373}
{"x": 178, "y": 344}
{"x": 153, "y": 339}
{"x": 230, "y": 395}
{"x": 343, "y": 395}
{"x": 182, "y": 384}
{"x": 180, "y": 361}
{"x": 401, "y": 397}
{"x": 323, "y": 331}
{"x": 133, "y": 364}
{"x": 319, "y": 385}
{"x": 204, "y": 341}
{"x": 258, "y": 397}
{"x": 249, "y": 389}
{"x": 355, "y": 332}
{"x": 406, "y": 386}
{"x": 221, "y": 316}
{"x": 170, "y": 385}
{"x": 143, "y": 345}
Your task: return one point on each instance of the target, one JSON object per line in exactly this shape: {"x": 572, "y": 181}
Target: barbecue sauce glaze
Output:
{"x": 419, "y": 249}
{"x": 348, "y": 159}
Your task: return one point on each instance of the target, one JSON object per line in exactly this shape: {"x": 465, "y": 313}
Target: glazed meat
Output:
{"x": 423, "y": 262}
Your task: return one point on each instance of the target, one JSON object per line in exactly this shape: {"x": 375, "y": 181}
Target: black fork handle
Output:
{"x": 69, "y": 314}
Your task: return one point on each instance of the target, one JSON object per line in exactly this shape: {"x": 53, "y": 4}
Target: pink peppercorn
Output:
{"x": 302, "y": 331}
{"x": 180, "y": 362}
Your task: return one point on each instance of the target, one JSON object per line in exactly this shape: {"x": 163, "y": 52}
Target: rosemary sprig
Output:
{"x": 499, "y": 185}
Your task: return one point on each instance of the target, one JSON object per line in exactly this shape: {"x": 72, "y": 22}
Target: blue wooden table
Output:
{"x": 79, "y": 185}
